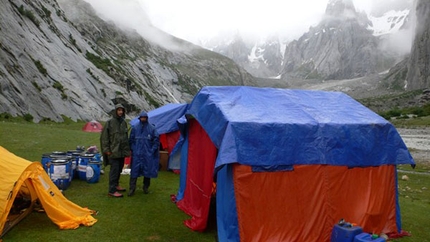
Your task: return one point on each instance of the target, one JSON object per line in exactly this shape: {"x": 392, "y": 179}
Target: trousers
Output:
{"x": 116, "y": 166}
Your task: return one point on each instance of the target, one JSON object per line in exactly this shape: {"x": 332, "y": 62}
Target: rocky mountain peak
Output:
{"x": 340, "y": 8}
{"x": 340, "y": 11}
{"x": 261, "y": 57}
{"x": 340, "y": 47}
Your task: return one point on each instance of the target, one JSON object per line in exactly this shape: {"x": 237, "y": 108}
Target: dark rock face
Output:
{"x": 58, "y": 58}
{"x": 418, "y": 76}
{"x": 340, "y": 47}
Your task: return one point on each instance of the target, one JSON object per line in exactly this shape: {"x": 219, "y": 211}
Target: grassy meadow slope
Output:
{"x": 152, "y": 217}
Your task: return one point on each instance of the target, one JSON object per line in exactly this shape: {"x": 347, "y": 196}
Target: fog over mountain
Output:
{"x": 391, "y": 22}
{"x": 198, "y": 21}
{"x": 77, "y": 59}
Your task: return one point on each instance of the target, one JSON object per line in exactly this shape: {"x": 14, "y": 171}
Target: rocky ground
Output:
{"x": 358, "y": 88}
{"x": 370, "y": 90}
{"x": 418, "y": 142}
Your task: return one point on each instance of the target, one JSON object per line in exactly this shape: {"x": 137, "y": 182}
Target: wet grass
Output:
{"x": 143, "y": 217}
{"x": 153, "y": 217}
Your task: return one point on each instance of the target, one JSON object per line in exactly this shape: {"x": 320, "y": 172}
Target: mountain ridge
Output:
{"x": 386, "y": 26}
{"x": 60, "y": 59}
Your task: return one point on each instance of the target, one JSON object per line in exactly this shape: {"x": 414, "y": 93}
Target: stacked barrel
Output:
{"x": 62, "y": 167}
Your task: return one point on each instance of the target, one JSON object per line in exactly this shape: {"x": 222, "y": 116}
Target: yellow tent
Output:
{"x": 24, "y": 185}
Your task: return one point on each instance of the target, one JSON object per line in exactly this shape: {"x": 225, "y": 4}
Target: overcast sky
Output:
{"x": 195, "y": 20}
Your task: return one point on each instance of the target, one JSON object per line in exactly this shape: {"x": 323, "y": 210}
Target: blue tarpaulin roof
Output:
{"x": 272, "y": 127}
{"x": 164, "y": 118}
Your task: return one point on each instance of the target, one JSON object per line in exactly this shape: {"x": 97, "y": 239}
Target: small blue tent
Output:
{"x": 288, "y": 164}
{"x": 164, "y": 118}
{"x": 165, "y": 121}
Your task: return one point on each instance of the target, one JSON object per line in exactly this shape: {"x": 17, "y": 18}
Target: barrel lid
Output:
{"x": 59, "y": 157}
{"x": 87, "y": 155}
{"x": 58, "y": 152}
{"x": 59, "y": 161}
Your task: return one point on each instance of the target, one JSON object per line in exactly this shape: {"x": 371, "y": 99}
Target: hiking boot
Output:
{"x": 120, "y": 189}
{"x": 115, "y": 194}
{"x": 145, "y": 190}
{"x": 131, "y": 192}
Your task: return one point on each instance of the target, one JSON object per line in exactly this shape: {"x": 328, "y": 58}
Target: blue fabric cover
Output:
{"x": 164, "y": 118}
{"x": 175, "y": 156}
{"x": 274, "y": 127}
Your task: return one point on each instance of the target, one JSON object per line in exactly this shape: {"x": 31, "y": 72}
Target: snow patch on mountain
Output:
{"x": 390, "y": 22}
{"x": 255, "y": 54}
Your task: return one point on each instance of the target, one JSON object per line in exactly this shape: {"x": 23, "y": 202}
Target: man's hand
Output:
{"x": 108, "y": 153}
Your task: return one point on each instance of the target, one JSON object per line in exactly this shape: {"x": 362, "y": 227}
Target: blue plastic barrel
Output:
{"x": 93, "y": 171}
{"x": 55, "y": 155}
{"x": 83, "y": 162}
{"x": 58, "y": 155}
{"x": 74, "y": 159}
{"x": 343, "y": 233}
{"x": 70, "y": 152}
{"x": 362, "y": 237}
{"x": 59, "y": 172}
{"x": 98, "y": 157}
{"x": 46, "y": 159}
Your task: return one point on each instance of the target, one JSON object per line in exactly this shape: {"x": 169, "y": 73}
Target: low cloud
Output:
{"x": 198, "y": 21}
{"x": 129, "y": 15}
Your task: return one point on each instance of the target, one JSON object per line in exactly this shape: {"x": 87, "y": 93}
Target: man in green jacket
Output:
{"x": 115, "y": 147}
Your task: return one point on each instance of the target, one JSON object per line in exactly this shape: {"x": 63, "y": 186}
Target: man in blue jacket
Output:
{"x": 144, "y": 143}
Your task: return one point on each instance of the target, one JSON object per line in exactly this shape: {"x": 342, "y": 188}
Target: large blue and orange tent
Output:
{"x": 288, "y": 164}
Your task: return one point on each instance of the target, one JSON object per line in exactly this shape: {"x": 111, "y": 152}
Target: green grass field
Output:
{"x": 143, "y": 217}
{"x": 149, "y": 217}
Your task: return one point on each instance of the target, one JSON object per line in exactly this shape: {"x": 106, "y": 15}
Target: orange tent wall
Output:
{"x": 305, "y": 204}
